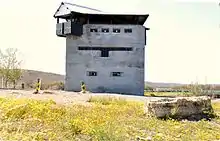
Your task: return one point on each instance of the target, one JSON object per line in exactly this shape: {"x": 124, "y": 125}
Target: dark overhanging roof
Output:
{"x": 69, "y": 9}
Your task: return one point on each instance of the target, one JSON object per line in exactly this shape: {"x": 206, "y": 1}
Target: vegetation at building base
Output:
{"x": 109, "y": 120}
{"x": 168, "y": 94}
{"x": 47, "y": 86}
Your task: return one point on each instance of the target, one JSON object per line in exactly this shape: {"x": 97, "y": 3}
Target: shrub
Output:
{"x": 56, "y": 86}
{"x": 106, "y": 100}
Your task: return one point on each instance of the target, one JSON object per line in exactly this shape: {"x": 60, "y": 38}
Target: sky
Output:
{"x": 183, "y": 43}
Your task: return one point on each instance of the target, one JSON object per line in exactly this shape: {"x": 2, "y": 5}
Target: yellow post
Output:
{"x": 38, "y": 86}
{"x": 83, "y": 87}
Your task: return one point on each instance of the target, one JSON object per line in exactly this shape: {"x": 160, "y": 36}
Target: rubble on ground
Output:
{"x": 194, "y": 108}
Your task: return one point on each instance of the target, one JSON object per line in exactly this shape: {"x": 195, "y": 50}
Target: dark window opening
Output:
{"x": 128, "y": 30}
{"x": 105, "y": 30}
{"x": 105, "y": 50}
{"x": 105, "y": 53}
{"x": 116, "y": 74}
{"x": 93, "y": 30}
{"x": 91, "y": 73}
{"x": 116, "y": 30}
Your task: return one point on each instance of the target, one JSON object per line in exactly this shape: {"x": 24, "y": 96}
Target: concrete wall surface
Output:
{"x": 130, "y": 63}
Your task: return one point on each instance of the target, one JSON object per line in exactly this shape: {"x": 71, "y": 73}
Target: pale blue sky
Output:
{"x": 183, "y": 44}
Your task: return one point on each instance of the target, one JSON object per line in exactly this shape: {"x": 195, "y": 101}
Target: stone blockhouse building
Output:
{"x": 104, "y": 50}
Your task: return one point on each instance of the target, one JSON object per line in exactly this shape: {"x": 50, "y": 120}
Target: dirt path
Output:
{"x": 60, "y": 97}
{"x": 66, "y": 97}
{"x": 63, "y": 97}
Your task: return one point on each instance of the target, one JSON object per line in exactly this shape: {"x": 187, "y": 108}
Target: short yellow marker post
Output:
{"x": 83, "y": 87}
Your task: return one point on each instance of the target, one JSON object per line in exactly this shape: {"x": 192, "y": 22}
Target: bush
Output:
{"x": 148, "y": 88}
{"x": 56, "y": 86}
{"x": 29, "y": 85}
{"x": 46, "y": 86}
{"x": 104, "y": 100}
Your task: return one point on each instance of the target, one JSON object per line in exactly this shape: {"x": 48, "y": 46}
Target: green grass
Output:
{"x": 173, "y": 94}
{"x": 105, "y": 120}
{"x": 168, "y": 94}
{"x": 106, "y": 100}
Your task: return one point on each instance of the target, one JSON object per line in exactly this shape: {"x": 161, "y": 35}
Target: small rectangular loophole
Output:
{"x": 105, "y": 30}
{"x": 93, "y": 30}
{"x": 128, "y": 30}
{"x": 116, "y": 30}
{"x": 91, "y": 73}
{"x": 116, "y": 74}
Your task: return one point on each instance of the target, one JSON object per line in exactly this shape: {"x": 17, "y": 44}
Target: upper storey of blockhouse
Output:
{"x": 86, "y": 15}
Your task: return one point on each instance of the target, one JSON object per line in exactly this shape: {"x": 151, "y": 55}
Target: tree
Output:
{"x": 10, "y": 66}
{"x": 15, "y": 75}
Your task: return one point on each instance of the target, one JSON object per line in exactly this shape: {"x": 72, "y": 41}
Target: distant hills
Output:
{"x": 30, "y": 76}
{"x": 162, "y": 84}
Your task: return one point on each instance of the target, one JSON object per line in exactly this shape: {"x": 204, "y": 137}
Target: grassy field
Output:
{"x": 173, "y": 94}
{"x": 101, "y": 119}
{"x": 168, "y": 94}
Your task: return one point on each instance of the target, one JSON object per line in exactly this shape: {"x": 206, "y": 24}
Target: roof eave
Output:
{"x": 98, "y": 12}
{"x": 58, "y": 9}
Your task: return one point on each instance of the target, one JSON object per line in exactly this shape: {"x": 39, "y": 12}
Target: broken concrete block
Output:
{"x": 182, "y": 107}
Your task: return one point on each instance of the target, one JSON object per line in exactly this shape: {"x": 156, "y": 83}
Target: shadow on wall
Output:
{"x": 102, "y": 89}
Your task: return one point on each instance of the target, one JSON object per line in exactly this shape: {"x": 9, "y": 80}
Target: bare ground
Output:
{"x": 63, "y": 97}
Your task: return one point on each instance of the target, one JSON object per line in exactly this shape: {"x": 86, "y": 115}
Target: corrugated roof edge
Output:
{"x": 82, "y": 6}
{"x": 99, "y": 12}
